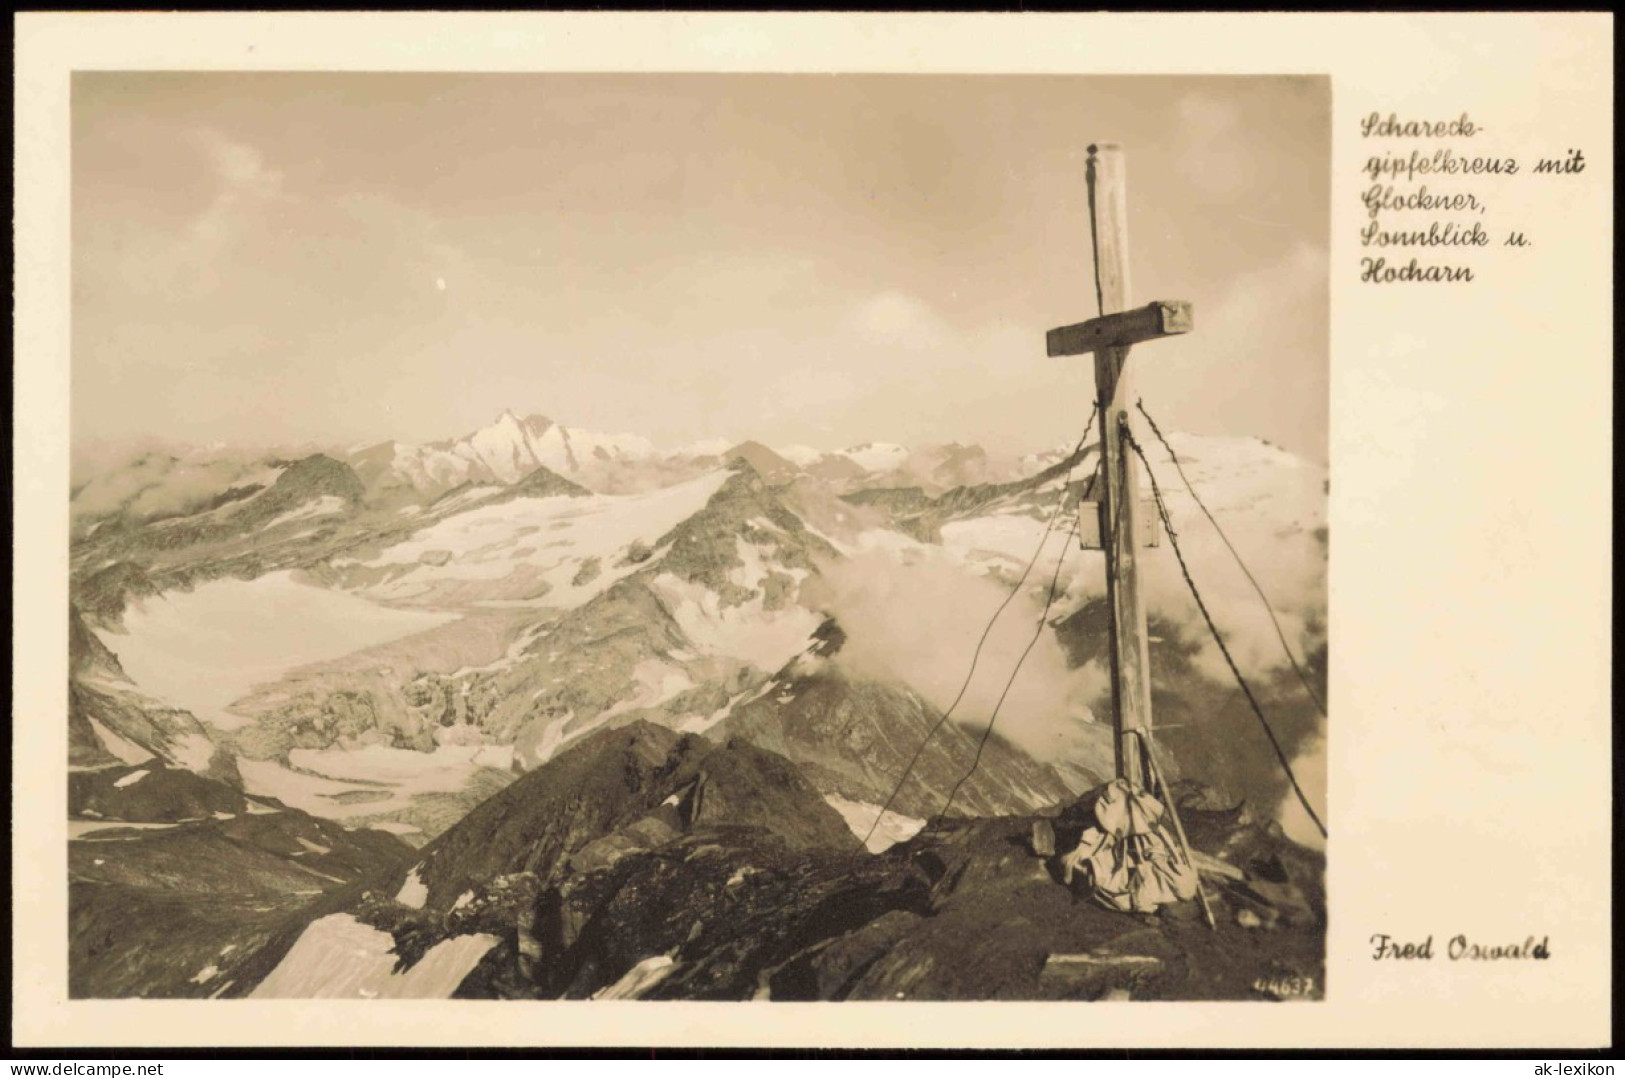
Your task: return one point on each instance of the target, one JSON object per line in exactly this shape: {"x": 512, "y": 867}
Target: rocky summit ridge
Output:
{"x": 651, "y": 865}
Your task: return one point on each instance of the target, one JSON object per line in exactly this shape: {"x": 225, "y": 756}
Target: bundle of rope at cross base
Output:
{"x": 1132, "y": 861}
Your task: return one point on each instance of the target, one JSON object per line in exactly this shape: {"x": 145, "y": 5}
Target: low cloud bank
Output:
{"x": 915, "y": 613}
{"x": 920, "y": 623}
{"x": 150, "y": 479}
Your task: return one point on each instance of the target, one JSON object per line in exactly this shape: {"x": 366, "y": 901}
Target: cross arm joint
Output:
{"x": 1164, "y": 318}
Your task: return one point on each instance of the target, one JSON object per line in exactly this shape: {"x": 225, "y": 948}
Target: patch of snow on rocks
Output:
{"x": 413, "y": 892}
{"x": 338, "y": 957}
{"x": 126, "y": 750}
{"x": 860, "y": 816}
{"x": 765, "y": 639}
{"x": 326, "y": 505}
{"x": 639, "y": 979}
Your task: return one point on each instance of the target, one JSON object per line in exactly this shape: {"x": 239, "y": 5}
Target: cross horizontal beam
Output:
{"x": 1165, "y": 318}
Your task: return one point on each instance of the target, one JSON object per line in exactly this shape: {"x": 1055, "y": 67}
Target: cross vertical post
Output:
{"x": 1121, "y": 532}
{"x": 1109, "y": 337}
{"x": 1120, "y": 498}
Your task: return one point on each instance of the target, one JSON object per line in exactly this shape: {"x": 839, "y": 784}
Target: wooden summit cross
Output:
{"x": 1122, "y": 517}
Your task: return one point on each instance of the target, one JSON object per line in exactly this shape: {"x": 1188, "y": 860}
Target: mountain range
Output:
{"x": 454, "y": 706}
{"x": 172, "y": 480}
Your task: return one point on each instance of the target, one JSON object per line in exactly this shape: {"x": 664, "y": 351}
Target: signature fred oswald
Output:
{"x": 1460, "y": 948}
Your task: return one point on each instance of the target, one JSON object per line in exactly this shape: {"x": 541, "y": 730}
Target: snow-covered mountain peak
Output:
{"x": 877, "y": 456}
{"x": 508, "y": 449}
{"x": 799, "y": 455}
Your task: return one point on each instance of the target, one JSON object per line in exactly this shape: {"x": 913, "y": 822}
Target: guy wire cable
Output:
{"x": 986, "y": 632}
{"x": 1234, "y": 553}
{"x": 1269, "y": 732}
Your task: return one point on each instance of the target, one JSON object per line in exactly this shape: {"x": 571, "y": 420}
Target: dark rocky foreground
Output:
{"x": 645, "y": 864}
{"x": 641, "y": 863}
{"x": 193, "y": 889}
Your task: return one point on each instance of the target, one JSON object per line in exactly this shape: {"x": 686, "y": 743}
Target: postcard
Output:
{"x": 861, "y": 530}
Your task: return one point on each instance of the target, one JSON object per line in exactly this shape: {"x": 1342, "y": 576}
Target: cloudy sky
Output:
{"x": 286, "y": 258}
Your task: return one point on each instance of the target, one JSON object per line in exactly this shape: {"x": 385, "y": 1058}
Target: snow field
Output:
{"x": 202, "y": 650}
{"x": 553, "y": 536}
{"x": 399, "y": 776}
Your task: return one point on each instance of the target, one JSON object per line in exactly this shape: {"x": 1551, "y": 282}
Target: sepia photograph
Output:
{"x": 725, "y": 537}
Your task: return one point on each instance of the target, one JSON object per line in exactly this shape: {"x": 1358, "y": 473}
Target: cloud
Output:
{"x": 919, "y": 622}
{"x": 148, "y": 479}
{"x": 1254, "y": 305}
{"x": 915, "y": 614}
{"x": 897, "y": 320}
{"x": 243, "y": 189}
{"x": 1256, "y": 363}
{"x": 1215, "y": 158}
{"x": 1271, "y": 506}
{"x": 1310, "y": 769}
{"x": 239, "y": 167}
{"x": 810, "y": 388}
